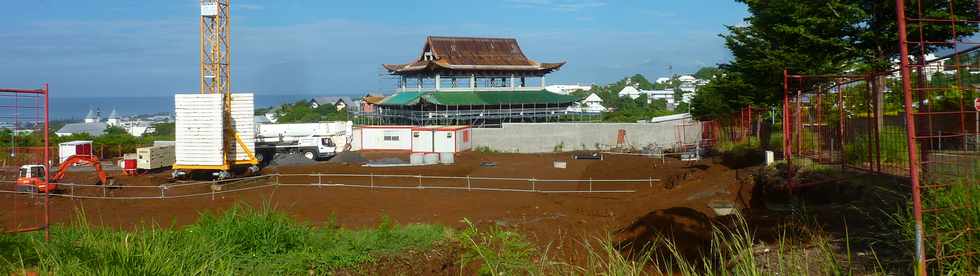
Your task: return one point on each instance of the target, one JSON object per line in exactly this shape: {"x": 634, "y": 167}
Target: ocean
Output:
{"x": 77, "y": 108}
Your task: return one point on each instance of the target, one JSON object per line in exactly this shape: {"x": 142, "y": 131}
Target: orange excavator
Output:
{"x": 32, "y": 178}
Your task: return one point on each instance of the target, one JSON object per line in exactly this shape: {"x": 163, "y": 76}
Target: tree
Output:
{"x": 707, "y": 73}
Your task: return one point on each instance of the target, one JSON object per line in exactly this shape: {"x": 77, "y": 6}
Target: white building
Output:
{"x": 687, "y": 78}
{"x": 591, "y": 104}
{"x": 566, "y": 89}
{"x": 662, "y": 80}
{"x": 92, "y": 117}
{"x": 652, "y": 95}
{"x": 113, "y": 119}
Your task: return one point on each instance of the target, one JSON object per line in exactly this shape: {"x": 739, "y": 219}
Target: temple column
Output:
{"x": 438, "y": 82}
{"x": 472, "y": 81}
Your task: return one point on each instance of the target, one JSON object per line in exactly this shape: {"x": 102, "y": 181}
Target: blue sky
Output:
{"x": 150, "y": 47}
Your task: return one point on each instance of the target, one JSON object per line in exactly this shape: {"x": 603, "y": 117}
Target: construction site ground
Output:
{"x": 676, "y": 202}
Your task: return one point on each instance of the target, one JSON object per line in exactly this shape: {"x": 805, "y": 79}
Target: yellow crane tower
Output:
{"x": 216, "y": 73}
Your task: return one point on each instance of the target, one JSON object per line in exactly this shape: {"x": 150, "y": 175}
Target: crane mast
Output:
{"x": 216, "y": 46}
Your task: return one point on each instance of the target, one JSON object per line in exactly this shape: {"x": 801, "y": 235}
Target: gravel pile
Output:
{"x": 388, "y": 161}
{"x": 290, "y": 159}
{"x": 348, "y": 157}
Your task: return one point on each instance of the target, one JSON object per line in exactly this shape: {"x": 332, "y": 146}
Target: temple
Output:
{"x": 472, "y": 81}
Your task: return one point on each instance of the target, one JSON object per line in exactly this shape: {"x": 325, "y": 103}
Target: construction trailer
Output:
{"x": 314, "y": 141}
{"x": 398, "y": 138}
{"x": 214, "y": 134}
{"x": 69, "y": 149}
{"x": 418, "y": 139}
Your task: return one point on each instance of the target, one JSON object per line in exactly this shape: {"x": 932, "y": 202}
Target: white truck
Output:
{"x": 315, "y": 141}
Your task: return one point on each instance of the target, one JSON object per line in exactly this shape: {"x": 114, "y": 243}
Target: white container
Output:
{"x": 560, "y": 164}
{"x": 67, "y": 149}
{"x": 431, "y": 159}
{"x": 416, "y": 158}
{"x": 385, "y": 137}
{"x": 447, "y": 158}
{"x": 243, "y": 120}
{"x": 199, "y": 134}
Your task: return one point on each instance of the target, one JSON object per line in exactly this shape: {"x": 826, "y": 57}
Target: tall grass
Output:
{"x": 242, "y": 240}
{"x": 733, "y": 250}
{"x": 948, "y": 233}
{"x": 894, "y": 147}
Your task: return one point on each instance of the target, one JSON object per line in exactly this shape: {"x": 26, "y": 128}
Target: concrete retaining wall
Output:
{"x": 551, "y": 137}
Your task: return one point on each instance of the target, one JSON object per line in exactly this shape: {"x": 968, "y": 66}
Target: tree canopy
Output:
{"x": 814, "y": 37}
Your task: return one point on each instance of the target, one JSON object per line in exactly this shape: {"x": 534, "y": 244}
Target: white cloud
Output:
{"x": 557, "y": 5}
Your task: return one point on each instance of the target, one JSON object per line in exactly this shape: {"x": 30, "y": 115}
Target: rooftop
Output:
{"x": 472, "y": 54}
{"x": 94, "y": 129}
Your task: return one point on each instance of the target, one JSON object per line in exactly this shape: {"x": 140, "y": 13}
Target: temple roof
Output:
{"x": 472, "y": 54}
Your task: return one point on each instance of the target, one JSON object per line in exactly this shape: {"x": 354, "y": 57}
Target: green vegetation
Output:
{"x": 948, "y": 236}
{"x": 500, "y": 252}
{"x": 302, "y": 112}
{"x": 242, "y": 240}
{"x": 626, "y": 109}
{"x": 894, "y": 147}
{"x": 733, "y": 250}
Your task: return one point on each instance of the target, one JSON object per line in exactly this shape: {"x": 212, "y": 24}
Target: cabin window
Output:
{"x": 391, "y": 138}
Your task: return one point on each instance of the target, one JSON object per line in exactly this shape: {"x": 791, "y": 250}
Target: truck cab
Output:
{"x": 31, "y": 178}
{"x": 326, "y": 149}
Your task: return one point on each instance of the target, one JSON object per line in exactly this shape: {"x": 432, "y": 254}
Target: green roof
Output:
{"x": 479, "y": 98}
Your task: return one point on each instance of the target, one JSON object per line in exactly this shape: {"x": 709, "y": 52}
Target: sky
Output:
{"x": 124, "y": 48}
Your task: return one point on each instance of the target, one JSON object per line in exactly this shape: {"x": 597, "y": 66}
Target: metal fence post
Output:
{"x": 468, "y": 183}
{"x": 420, "y": 182}
{"x": 590, "y": 184}
{"x": 319, "y": 180}
{"x": 161, "y": 192}
{"x": 533, "y": 186}
{"x": 650, "y": 182}
{"x": 372, "y": 180}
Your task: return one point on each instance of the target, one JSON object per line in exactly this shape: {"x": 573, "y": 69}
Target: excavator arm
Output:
{"x": 91, "y": 160}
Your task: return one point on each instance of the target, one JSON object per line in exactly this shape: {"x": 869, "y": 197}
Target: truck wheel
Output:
{"x": 309, "y": 155}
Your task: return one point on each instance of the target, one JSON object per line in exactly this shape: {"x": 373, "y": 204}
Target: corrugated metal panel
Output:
{"x": 243, "y": 119}
{"x": 199, "y": 129}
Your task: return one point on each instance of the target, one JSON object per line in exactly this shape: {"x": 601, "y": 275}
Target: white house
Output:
{"x": 591, "y": 104}
{"x": 630, "y": 91}
{"x": 635, "y": 93}
{"x": 662, "y": 80}
{"x": 566, "y": 89}
{"x": 113, "y": 119}
{"x": 687, "y": 78}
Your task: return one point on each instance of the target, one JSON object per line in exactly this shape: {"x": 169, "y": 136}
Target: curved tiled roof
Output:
{"x": 472, "y": 53}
